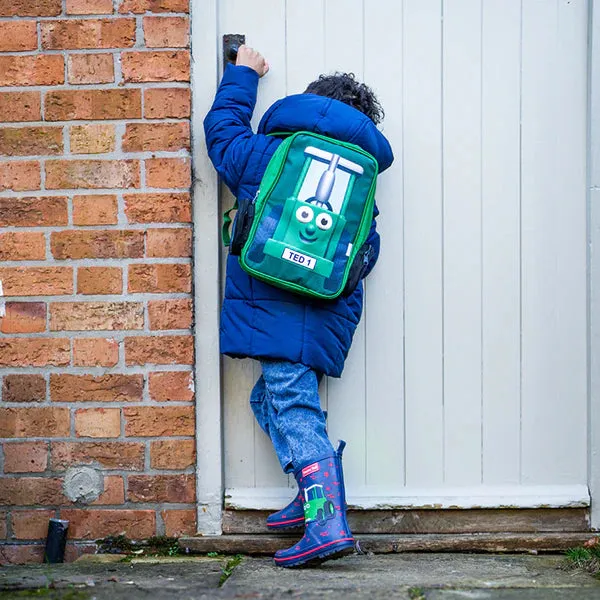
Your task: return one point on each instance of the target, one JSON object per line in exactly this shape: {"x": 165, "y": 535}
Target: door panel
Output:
{"x": 466, "y": 382}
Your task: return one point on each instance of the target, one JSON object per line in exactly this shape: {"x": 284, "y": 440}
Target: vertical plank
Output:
{"x": 249, "y": 457}
{"x": 305, "y": 43}
{"x": 385, "y": 286}
{"x": 422, "y": 161}
{"x": 594, "y": 259}
{"x": 346, "y": 396}
{"x": 554, "y": 242}
{"x": 462, "y": 241}
{"x": 305, "y": 62}
{"x": 239, "y": 423}
{"x": 267, "y": 470}
{"x": 501, "y": 253}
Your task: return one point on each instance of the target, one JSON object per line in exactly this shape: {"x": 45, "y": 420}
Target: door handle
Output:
{"x": 231, "y": 45}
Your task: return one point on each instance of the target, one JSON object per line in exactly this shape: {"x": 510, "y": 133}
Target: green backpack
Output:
{"x": 306, "y": 228}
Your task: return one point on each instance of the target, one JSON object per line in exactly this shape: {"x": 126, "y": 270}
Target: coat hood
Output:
{"x": 326, "y": 116}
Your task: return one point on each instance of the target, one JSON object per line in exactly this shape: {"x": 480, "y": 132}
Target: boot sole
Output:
{"x": 319, "y": 557}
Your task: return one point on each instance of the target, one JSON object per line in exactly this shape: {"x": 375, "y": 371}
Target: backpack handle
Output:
{"x": 227, "y": 220}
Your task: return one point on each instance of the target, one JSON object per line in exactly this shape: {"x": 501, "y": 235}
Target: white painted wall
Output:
{"x": 468, "y": 375}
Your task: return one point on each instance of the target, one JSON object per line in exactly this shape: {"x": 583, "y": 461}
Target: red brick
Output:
{"x": 30, "y": 8}
{"x": 157, "y": 6}
{"x": 18, "y": 107}
{"x": 25, "y": 457}
{"x": 22, "y": 245}
{"x": 3, "y": 528}
{"x": 77, "y": 34}
{"x": 23, "y": 388}
{"x": 172, "y": 454}
{"x": 96, "y": 316}
{"x": 95, "y": 352}
{"x": 104, "y": 388}
{"x": 93, "y": 524}
{"x": 156, "y": 279}
{"x": 114, "y": 492}
{"x": 158, "y": 208}
{"x": 167, "y": 103}
{"x": 31, "y": 524}
{"x": 172, "y": 385}
{"x": 29, "y": 141}
{"x": 179, "y": 522}
{"x": 34, "y": 352}
{"x": 168, "y": 172}
{"x": 89, "y": 7}
{"x": 171, "y": 65}
{"x": 21, "y": 554}
{"x": 38, "y": 69}
{"x": 146, "y": 137}
{"x": 43, "y": 211}
{"x": 20, "y": 176}
{"x": 92, "y": 174}
{"x": 170, "y": 314}
{"x": 98, "y": 422}
{"x": 67, "y": 105}
{"x": 95, "y": 210}
{"x": 36, "y": 281}
{"x": 18, "y": 36}
{"x": 42, "y": 421}
{"x": 162, "y": 243}
{"x": 167, "y": 32}
{"x": 31, "y": 491}
{"x": 24, "y": 317}
{"x": 99, "y": 280}
{"x": 91, "y": 68}
{"x": 110, "y": 455}
{"x": 161, "y": 488}
{"x": 142, "y": 421}
{"x": 92, "y": 139}
{"x": 97, "y": 244}
{"x": 162, "y": 350}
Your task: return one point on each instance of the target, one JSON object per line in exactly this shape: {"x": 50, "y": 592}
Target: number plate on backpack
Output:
{"x": 300, "y": 259}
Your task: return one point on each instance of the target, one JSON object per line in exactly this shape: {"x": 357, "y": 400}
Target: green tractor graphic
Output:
{"x": 312, "y": 221}
{"x": 316, "y": 506}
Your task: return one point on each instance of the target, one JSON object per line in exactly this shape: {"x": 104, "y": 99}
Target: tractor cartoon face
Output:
{"x": 316, "y": 506}
{"x": 310, "y": 227}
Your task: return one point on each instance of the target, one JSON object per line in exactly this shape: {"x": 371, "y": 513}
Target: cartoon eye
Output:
{"x": 305, "y": 214}
{"x": 324, "y": 222}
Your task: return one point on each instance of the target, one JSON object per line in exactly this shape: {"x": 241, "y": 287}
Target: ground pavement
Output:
{"x": 405, "y": 576}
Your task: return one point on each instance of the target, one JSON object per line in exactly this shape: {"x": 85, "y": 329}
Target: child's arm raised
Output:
{"x": 229, "y": 136}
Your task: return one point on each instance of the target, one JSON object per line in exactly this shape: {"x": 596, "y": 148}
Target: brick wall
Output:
{"x": 95, "y": 244}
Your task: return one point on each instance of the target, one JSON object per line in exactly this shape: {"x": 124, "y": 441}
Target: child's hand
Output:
{"x": 249, "y": 57}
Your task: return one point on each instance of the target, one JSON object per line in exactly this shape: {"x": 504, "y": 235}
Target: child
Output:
{"x": 296, "y": 339}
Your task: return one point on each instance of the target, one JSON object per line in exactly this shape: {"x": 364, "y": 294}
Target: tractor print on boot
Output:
{"x": 326, "y": 534}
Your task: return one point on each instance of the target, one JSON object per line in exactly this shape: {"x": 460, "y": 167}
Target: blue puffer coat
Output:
{"x": 259, "y": 320}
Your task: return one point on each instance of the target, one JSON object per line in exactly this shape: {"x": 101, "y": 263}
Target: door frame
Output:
{"x": 207, "y": 290}
{"x": 206, "y": 275}
{"x": 594, "y": 261}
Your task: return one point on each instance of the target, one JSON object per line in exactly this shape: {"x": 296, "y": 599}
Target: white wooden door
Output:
{"x": 466, "y": 382}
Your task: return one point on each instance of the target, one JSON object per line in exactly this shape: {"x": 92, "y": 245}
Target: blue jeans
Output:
{"x": 285, "y": 402}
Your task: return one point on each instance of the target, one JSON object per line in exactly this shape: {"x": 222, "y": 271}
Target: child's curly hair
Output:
{"x": 345, "y": 87}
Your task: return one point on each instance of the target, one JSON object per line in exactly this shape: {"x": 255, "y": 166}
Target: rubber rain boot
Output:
{"x": 290, "y": 517}
{"x": 326, "y": 534}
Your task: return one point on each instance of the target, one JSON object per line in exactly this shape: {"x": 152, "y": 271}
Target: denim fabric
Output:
{"x": 285, "y": 402}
